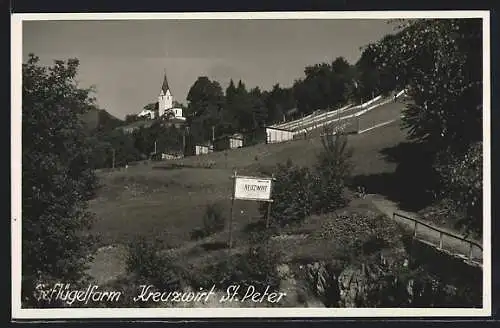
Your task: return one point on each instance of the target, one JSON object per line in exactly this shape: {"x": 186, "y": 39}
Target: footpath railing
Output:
{"x": 442, "y": 233}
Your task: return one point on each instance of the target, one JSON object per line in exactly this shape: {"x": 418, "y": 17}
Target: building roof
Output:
{"x": 165, "y": 86}
{"x": 231, "y": 136}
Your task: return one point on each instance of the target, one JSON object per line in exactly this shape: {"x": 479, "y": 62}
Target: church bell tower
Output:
{"x": 165, "y": 99}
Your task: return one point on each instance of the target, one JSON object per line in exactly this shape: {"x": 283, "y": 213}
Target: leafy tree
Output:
{"x": 440, "y": 61}
{"x": 259, "y": 110}
{"x": 120, "y": 145}
{"x": 152, "y": 107}
{"x": 206, "y": 101}
{"x": 463, "y": 184}
{"x": 132, "y": 118}
{"x": 278, "y": 101}
{"x": 241, "y": 109}
{"x": 324, "y": 86}
{"x": 57, "y": 179}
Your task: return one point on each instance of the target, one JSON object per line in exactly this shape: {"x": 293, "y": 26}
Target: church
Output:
{"x": 165, "y": 106}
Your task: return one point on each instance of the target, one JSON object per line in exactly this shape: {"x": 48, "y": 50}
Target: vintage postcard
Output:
{"x": 266, "y": 164}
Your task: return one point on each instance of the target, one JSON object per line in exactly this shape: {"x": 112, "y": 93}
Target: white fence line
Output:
{"x": 311, "y": 118}
{"x": 337, "y": 119}
{"x": 293, "y": 125}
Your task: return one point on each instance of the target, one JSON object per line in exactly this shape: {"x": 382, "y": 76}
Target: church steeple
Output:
{"x": 165, "y": 99}
{"x": 165, "y": 86}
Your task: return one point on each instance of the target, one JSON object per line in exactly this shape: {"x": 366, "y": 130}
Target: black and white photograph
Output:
{"x": 271, "y": 164}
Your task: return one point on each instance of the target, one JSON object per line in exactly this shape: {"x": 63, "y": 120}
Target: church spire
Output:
{"x": 165, "y": 86}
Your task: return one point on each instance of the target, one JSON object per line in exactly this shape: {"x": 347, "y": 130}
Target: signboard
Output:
{"x": 252, "y": 188}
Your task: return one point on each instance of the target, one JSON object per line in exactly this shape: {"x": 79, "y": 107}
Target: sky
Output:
{"x": 126, "y": 60}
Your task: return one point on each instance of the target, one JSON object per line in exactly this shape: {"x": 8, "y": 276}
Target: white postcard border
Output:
{"x": 16, "y": 174}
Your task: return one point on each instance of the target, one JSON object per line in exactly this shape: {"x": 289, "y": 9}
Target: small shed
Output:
{"x": 201, "y": 149}
{"x": 275, "y": 135}
{"x": 229, "y": 142}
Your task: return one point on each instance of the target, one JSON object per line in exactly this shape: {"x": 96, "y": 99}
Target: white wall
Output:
{"x": 275, "y": 135}
{"x": 165, "y": 101}
{"x": 200, "y": 150}
{"x": 235, "y": 143}
{"x": 177, "y": 112}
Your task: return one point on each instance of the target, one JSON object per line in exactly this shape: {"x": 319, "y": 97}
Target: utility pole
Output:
{"x": 184, "y": 143}
{"x": 213, "y": 133}
{"x": 155, "y": 146}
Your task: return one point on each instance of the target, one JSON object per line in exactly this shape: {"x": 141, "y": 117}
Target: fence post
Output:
{"x": 440, "y": 240}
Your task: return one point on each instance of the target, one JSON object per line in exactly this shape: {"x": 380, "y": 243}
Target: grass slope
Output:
{"x": 158, "y": 200}
{"x": 155, "y": 200}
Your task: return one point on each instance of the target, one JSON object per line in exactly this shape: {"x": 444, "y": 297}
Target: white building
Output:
{"x": 275, "y": 135}
{"x": 166, "y": 102}
{"x": 147, "y": 113}
{"x": 165, "y": 106}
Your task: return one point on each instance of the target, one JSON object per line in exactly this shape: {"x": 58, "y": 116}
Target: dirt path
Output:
{"x": 426, "y": 234}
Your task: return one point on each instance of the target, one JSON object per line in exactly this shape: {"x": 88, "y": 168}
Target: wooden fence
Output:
{"x": 441, "y": 232}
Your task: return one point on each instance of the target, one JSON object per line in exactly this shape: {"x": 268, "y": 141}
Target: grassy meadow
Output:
{"x": 166, "y": 201}
{"x": 155, "y": 199}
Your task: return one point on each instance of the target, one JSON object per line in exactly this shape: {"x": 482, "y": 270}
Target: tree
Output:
{"x": 153, "y": 107}
{"x": 462, "y": 180}
{"x": 206, "y": 101}
{"x": 278, "y": 101}
{"x": 57, "y": 179}
{"x": 440, "y": 61}
{"x": 132, "y": 118}
{"x": 240, "y": 108}
{"x": 324, "y": 86}
{"x": 333, "y": 168}
{"x": 259, "y": 110}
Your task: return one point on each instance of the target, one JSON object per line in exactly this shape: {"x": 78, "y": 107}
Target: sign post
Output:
{"x": 250, "y": 188}
{"x": 230, "y": 243}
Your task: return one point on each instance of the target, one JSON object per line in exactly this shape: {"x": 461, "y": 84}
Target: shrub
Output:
{"x": 197, "y": 234}
{"x": 213, "y": 222}
{"x": 149, "y": 266}
{"x": 292, "y": 194}
{"x": 256, "y": 267}
{"x": 332, "y": 169}
{"x": 213, "y": 219}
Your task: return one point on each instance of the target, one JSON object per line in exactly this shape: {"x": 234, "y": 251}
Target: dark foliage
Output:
{"x": 57, "y": 179}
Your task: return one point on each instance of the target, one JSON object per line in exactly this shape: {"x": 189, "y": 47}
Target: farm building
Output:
{"x": 229, "y": 142}
{"x": 275, "y": 134}
{"x": 198, "y": 149}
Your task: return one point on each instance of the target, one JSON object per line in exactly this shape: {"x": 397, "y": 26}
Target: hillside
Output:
{"x": 167, "y": 202}
{"x": 100, "y": 119}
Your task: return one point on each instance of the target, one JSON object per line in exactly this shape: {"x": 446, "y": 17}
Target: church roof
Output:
{"x": 165, "y": 86}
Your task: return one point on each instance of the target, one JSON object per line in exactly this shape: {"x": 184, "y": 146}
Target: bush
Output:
{"x": 256, "y": 267}
{"x": 149, "y": 266}
{"x": 213, "y": 220}
{"x": 292, "y": 194}
{"x": 332, "y": 170}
